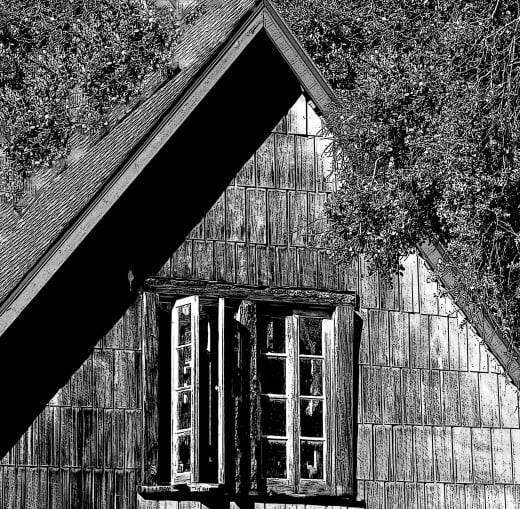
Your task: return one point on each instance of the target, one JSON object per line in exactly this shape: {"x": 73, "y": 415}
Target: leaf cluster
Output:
{"x": 64, "y": 65}
{"x": 426, "y": 136}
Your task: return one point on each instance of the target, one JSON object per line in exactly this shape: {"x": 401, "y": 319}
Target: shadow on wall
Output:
{"x": 59, "y": 329}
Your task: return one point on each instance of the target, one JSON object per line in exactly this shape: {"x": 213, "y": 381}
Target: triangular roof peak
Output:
{"x": 33, "y": 248}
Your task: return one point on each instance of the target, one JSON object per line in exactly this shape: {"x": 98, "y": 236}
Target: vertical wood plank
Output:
{"x": 439, "y": 348}
{"x": 392, "y": 401}
{"x": 419, "y": 341}
{"x": 427, "y": 290}
{"x": 246, "y": 176}
{"x": 307, "y": 267}
{"x": 298, "y": 223}
{"x": 442, "y": 454}
{"x": 434, "y": 496}
{"x": 265, "y": 173}
{"x": 317, "y": 220}
{"x": 399, "y": 341}
{"x": 202, "y": 259}
{"x": 403, "y": 440}
{"x": 215, "y": 220}
{"x": 383, "y": 453}
{"x": 369, "y": 285}
{"x": 182, "y": 260}
{"x": 475, "y": 496}
{"x": 431, "y": 397}
{"x": 450, "y": 398}
{"x": 324, "y": 161}
{"x": 297, "y": 117}
{"x": 462, "y": 456}
{"x": 103, "y": 372}
{"x": 508, "y": 395}
{"x": 277, "y": 214}
{"x": 423, "y": 453}
{"x": 372, "y": 406}
{"x": 305, "y": 173}
{"x": 235, "y": 214}
{"x": 469, "y": 399}
{"x": 256, "y": 216}
{"x": 481, "y": 448}
{"x": 379, "y": 340}
{"x": 389, "y": 288}
{"x": 412, "y": 396}
{"x": 364, "y": 452}
{"x": 455, "y": 496}
{"x": 495, "y": 497}
{"x": 285, "y": 161}
{"x": 409, "y": 284}
{"x": 242, "y": 268}
{"x": 502, "y": 460}
{"x": 489, "y": 405}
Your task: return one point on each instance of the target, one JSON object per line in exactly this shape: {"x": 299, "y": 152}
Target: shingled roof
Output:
{"x": 27, "y": 242}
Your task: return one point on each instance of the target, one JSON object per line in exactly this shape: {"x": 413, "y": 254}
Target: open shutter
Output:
{"x": 185, "y": 390}
{"x": 341, "y": 394}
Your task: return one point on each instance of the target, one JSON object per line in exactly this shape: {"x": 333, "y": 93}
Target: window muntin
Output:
{"x": 293, "y": 364}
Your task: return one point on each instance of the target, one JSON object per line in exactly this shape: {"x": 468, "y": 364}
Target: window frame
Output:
{"x": 335, "y": 482}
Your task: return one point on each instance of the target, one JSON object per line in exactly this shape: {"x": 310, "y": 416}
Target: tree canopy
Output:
{"x": 64, "y": 65}
{"x": 425, "y": 136}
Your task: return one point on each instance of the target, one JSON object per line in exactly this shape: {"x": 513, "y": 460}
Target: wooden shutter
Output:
{"x": 341, "y": 402}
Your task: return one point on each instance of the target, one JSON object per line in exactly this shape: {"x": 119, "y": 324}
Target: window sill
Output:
{"x": 205, "y": 492}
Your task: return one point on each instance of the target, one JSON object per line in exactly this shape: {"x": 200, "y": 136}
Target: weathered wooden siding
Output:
{"x": 83, "y": 450}
{"x": 438, "y": 424}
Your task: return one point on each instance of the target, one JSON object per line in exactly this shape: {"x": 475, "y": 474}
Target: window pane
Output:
{"x": 273, "y": 379}
{"x": 275, "y": 459}
{"x": 272, "y": 333}
{"x": 183, "y": 453}
{"x": 311, "y": 377}
{"x": 184, "y": 378}
{"x": 310, "y": 336}
{"x": 273, "y": 417}
{"x": 184, "y": 410}
{"x": 184, "y": 324}
{"x": 311, "y": 415}
{"x": 311, "y": 460}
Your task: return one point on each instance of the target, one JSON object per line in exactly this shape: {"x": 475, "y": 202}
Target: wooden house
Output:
{"x": 174, "y": 335}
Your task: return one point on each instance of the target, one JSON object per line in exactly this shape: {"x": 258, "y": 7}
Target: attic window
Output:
{"x": 261, "y": 397}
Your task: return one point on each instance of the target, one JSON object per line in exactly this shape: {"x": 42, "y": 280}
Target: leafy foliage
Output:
{"x": 64, "y": 64}
{"x": 426, "y": 136}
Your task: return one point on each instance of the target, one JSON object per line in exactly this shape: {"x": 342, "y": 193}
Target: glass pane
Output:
{"x": 310, "y": 335}
{"x": 183, "y": 453}
{"x": 311, "y": 377}
{"x": 311, "y": 416}
{"x": 273, "y": 334}
{"x": 184, "y": 377}
{"x": 311, "y": 460}
{"x": 275, "y": 459}
{"x": 273, "y": 379}
{"x": 184, "y": 410}
{"x": 273, "y": 417}
{"x": 184, "y": 324}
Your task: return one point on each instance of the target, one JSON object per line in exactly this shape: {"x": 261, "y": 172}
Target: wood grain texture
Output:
{"x": 285, "y": 161}
{"x": 403, "y": 447}
{"x": 343, "y": 411}
{"x": 256, "y": 216}
{"x": 450, "y": 397}
{"x": 265, "y": 164}
{"x": 481, "y": 448}
{"x": 277, "y": 213}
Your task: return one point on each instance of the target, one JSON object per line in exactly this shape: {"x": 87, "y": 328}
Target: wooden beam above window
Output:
{"x": 170, "y": 288}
